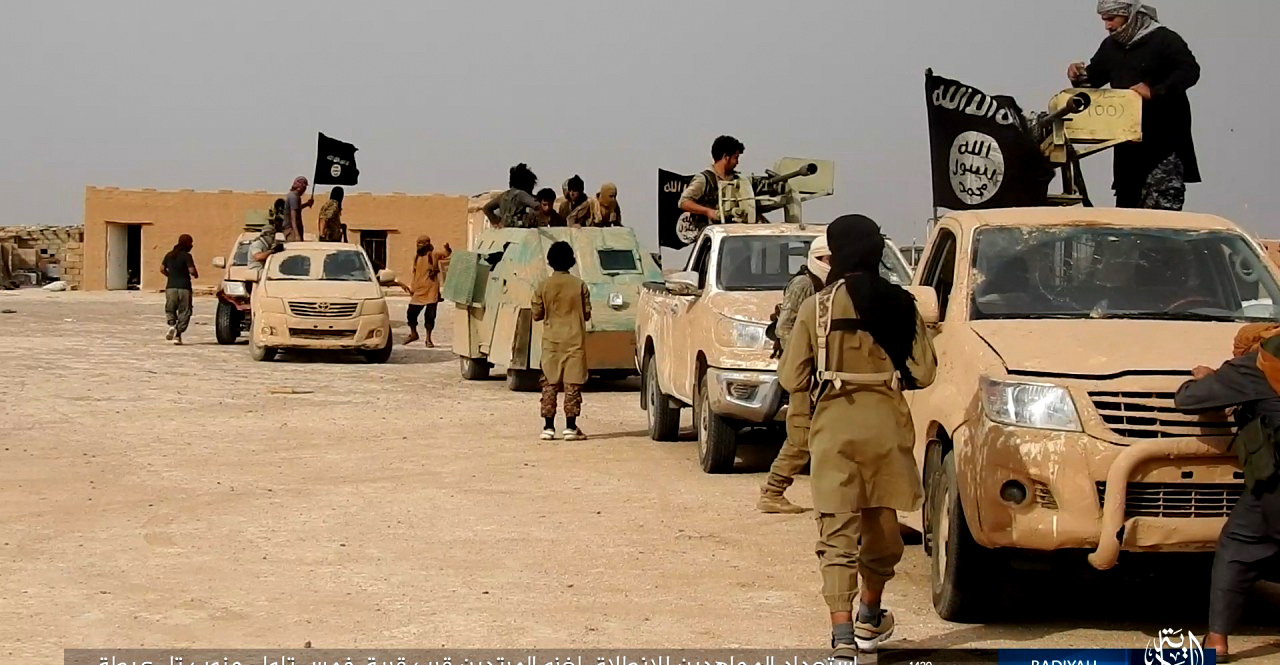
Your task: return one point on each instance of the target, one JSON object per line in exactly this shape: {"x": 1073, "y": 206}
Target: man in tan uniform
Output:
{"x": 605, "y": 210}
{"x": 576, "y": 207}
{"x": 424, "y": 289}
{"x": 855, "y": 346}
{"x": 564, "y": 305}
{"x": 795, "y": 450}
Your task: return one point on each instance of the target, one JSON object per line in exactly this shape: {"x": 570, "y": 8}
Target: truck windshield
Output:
{"x": 1081, "y": 272}
{"x": 767, "y": 263}
{"x": 337, "y": 266}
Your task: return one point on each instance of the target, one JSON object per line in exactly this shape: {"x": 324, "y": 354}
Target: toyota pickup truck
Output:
{"x": 700, "y": 335}
{"x": 1062, "y": 336}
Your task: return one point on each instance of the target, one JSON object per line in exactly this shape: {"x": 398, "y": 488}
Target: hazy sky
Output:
{"x": 445, "y": 96}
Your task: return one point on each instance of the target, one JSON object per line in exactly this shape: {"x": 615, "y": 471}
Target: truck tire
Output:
{"x": 664, "y": 419}
{"x": 717, "y": 440}
{"x": 523, "y": 380}
{"x": 473, "y": 369}
{"x": 958, "y": 564}
{"x": 226, "y": 323}
{"x": 379, "y": 356}
{"x": 260, "y": 353}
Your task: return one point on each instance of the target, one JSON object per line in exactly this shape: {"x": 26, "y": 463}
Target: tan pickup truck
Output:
{"x": 700, "y": 335}
{"x": 1062, "y": 335}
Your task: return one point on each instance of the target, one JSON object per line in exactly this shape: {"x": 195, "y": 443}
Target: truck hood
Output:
{"x": 754, "y": 306}
{"x": 313, "y": 290}
{"x": 1103, "y": 348}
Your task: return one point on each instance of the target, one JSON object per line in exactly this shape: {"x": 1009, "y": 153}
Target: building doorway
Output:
{"x": 124, "y": 256}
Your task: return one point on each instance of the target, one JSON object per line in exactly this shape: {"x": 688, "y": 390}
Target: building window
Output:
{"x": 375, "y": 245}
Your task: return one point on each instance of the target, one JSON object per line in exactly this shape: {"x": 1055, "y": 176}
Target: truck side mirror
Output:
{"x": 926, "y": 303}
{"x": 386, "y": 277}
{"x": 683, "y": 283}
{"x": 219, "y": 262}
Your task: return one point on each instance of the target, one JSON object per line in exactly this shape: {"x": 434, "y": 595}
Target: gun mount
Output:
{"x": 1082, "y": 122}
{"x": 791, "y": 182}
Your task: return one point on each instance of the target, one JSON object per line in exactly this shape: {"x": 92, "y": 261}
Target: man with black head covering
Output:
{"x": 179, "y": 268}
{"x": 1142, "y": 55}
{"x": 576, "y": 207}
{"x": 331, "y": 217}
{"x": 856, "y": 345}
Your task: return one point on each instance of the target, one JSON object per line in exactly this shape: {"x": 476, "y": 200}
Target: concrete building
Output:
{"x": 128, "y": 232}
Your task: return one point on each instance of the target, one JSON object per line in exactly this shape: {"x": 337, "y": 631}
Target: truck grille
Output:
{"x": 1142, "y": 415}
{"x": 1177, "y": 499}
{"x": 323, "y": 310}
{"x": 311, "y": 333}
{"x": 1044, "y": 496}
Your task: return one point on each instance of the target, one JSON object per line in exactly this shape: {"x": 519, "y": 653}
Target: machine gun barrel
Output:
{"x": 1078, "y": 103}
{"x": 807, "y": 169}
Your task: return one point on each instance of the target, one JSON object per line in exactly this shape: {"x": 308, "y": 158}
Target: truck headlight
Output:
{"x": 740, "y": 334}
{"x": 374, "y": 306}
{"x": 1033, "y": 405}
{"x": 234, "y": 288}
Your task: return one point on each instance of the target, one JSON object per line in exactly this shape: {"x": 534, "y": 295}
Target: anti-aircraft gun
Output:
{"x": 746, "y": 199}
{"x": 1082, "y": 122}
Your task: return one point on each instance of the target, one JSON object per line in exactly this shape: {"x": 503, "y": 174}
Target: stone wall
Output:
{"x": 54, "y": 251}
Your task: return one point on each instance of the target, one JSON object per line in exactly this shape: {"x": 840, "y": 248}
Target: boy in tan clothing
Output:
{"x": 563, "y": 304}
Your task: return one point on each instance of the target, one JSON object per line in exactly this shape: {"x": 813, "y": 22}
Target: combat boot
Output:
{"x": 771, "y": 498}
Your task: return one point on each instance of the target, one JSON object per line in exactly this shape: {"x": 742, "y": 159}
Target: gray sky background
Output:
{"x": 445, "y": 96}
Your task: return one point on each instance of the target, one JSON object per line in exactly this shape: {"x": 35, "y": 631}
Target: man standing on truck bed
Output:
{"x": 1249, "y": 547}
{"x": 795, "y": 450}
{"x": 856, "y": 345}
{"x": 702, "y": 196}
{"x": 295, "y": 204}
{"x": 1142, "y": 55}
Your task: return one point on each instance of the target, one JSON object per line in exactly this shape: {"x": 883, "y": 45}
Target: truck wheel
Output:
{"x": 379, "y": 356}
{"x": 523, "y": 380}
{"x": 958, "y": 564}
{"x": 664, "y": 419}
{"x": 226, "y": 324}
{"x": 260, "y": 353}
{"x": 474, "y": 369}
{"x": 717, "y": 441}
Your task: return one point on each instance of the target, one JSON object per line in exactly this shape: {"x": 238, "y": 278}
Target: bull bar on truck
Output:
{"x": 746, "y": 395}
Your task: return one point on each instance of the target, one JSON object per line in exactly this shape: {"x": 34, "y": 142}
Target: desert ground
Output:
{"x": 154, "y": 495}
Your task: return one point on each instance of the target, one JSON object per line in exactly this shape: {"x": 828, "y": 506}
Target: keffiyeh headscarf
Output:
{"x": 1142, "y": 19}
{"x": 818, "y": 249}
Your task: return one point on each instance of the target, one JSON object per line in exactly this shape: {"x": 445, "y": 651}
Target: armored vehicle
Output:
{"x": 492, "y": 287}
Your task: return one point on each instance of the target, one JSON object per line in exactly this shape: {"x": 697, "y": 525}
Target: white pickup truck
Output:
{"x": 700, "y": 335}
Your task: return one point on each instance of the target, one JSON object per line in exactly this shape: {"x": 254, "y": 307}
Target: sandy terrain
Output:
{"x": 153, "y": 495}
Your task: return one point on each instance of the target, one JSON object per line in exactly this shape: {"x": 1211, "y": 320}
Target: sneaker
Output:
{"x": 173, "y": 332}
{"x": 548, "y": 435}
{"x": 574, "y": 435}
{"x": 843, "y": 653}
{"x": 869, "y": 637}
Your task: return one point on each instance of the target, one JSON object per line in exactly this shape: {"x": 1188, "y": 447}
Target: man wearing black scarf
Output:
{"x": 856, "y": 345}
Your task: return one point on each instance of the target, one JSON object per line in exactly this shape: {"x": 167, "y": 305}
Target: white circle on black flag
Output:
{"x": 976, "y": 167}
{"x": 335, "y": 170}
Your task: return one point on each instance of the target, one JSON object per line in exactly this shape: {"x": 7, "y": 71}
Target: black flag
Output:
{"x": 983, "y": 154}
{"x": 335, "y": 162}
{"x": 674, "y": 229}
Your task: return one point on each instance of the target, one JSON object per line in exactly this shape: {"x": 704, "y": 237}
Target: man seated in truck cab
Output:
{"x": 701, "y": 198}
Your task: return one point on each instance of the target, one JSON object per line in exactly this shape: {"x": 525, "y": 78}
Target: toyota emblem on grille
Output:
{"x": 322, "y": 306}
